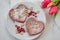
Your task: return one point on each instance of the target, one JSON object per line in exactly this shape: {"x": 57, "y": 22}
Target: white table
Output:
{"x": 50, "y": 34}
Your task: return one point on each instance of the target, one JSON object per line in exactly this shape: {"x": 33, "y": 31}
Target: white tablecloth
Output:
{"x": 51, "y": 33}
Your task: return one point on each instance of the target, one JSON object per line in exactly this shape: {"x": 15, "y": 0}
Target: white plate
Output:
{"x": 11, "y": 27}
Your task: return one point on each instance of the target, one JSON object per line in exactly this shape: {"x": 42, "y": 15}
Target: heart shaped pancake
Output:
{"x": 19, "y": 13}
{"x": 33, "y": 26}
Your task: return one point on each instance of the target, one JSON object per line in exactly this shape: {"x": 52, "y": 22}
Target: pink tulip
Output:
{"x": 53, "y": 10}
{"x": 45, "y": 3}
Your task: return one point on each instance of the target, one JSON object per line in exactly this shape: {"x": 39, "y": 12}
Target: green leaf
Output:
{"x": 58, "y": 6}
{"x": 55, "y": 1}
{"x": 55, "y": 15}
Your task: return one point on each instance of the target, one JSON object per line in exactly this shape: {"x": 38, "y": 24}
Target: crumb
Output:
{"x": 22, "y": 33}
{"x": 22, "y": 24}
{"x": 16, "y": 31}
{"x": 36, "y": 11}
{"x": 31, "y": 8}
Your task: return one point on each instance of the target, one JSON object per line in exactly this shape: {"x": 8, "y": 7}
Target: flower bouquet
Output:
{"x": 54, "y": 7}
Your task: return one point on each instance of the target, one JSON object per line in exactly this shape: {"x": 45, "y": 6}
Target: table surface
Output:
{"x": 52, "y": 33}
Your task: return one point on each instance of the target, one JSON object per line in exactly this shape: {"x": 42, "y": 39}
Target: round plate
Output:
{"x": 11, "y": 27}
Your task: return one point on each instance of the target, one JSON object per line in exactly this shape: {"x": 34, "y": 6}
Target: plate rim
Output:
{"x": 17, "y": 4}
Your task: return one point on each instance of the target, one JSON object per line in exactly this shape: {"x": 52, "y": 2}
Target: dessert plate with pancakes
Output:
{"x": 26, "y": 21}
